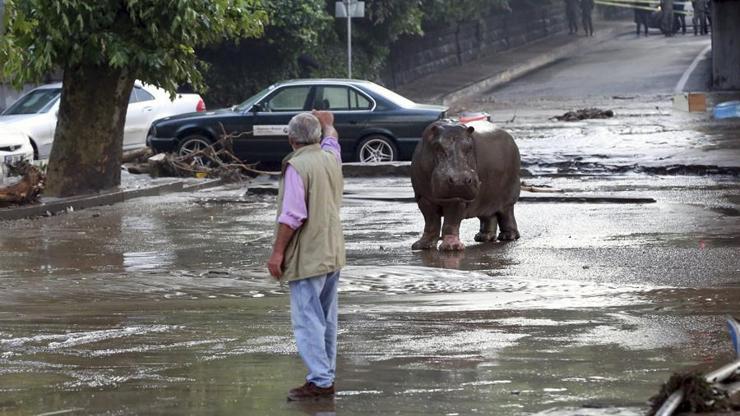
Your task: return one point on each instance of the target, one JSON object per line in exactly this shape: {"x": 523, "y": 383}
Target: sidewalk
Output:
{"x": 461, "y": 82}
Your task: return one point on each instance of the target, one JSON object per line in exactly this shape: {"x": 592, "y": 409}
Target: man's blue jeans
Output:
{"x": 313, "y": 311}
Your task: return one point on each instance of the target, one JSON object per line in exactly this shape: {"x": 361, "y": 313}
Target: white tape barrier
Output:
{"x": 649, "y": 5}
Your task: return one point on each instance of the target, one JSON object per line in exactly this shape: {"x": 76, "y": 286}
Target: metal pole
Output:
{"x": 348, "y": 5}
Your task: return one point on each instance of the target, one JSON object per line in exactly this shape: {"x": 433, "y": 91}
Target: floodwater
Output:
{"x": 163, "y": 305}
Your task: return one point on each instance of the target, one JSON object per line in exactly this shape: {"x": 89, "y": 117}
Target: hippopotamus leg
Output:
{"x": 432, "y": 223}
{"x": 487, "y": 230}
{"x": 454, "y": 214}
{"x": 507, "y": 223}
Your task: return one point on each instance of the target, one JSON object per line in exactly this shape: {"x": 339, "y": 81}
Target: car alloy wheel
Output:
{"x": 376, "y": 149}
{"x": 195, "y": 144}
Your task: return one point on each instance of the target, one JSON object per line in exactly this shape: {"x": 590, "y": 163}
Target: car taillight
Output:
{"x": 201, "y": 106}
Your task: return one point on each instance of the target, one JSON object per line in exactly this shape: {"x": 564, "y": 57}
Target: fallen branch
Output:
{"x": 215, "y": 160}
{"x": 137, "y": 156}
{"x": 27, "y": 189}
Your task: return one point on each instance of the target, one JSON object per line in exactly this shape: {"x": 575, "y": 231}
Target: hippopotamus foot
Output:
{"x": 482, "y": 237}
{"x": 425, "y": 244}
{"x": 451, "y": 243}
{"x": 508, "y": 235}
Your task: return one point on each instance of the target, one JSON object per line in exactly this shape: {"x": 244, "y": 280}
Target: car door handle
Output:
{"x": 148, "y": 108}
{"x": 353, "y": 122}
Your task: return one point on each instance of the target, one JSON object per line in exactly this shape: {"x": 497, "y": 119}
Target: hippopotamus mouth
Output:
{"x": 455, "y": 199}
{"x": 457, "y": 194}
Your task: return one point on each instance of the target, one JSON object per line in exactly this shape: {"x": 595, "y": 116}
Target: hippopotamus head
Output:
{"x": 452, "y": 149}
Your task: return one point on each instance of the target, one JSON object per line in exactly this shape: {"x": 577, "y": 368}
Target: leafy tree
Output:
{"x": 308, "y": 27}
{"x": 239, "y": 69}
{"x": 103, "y": 46}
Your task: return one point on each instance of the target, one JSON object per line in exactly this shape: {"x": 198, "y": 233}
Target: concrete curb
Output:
{"x": 354, "y": 170}
{"x": 57, "y": 205}
{"x": 565, "y": 199}
{"x": 532, "y": 64}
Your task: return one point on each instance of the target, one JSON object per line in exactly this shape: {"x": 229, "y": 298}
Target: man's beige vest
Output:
{"x": 317, "y": 247}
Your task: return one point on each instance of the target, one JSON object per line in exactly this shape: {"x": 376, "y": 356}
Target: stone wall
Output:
{"x": 443, "y": 48}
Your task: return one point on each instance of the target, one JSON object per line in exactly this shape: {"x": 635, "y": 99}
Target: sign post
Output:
{"x": 349, "y": 9}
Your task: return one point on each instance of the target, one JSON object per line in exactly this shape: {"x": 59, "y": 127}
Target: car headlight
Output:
{"x": 11, "y": 148}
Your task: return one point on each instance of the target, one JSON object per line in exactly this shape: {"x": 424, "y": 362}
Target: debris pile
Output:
{"x": 26, "y": 184}
{"x": 716, "y": 391}
{"x": 699, "y": 395}
{"x": 214, "y": 161}
{"x": 583, "y": 114}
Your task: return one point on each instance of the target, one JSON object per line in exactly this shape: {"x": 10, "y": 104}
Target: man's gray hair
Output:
{"x": 304, "y": 128}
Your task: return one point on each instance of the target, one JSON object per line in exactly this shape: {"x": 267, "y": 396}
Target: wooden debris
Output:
{"x": 699, "y": 395}
{"x": 583, "y": 114}
{"x": 533, "y": 188}
{"x": 215, "y": 161}
{"x": 137, "y": 156}
{"x": 27, "y": 189}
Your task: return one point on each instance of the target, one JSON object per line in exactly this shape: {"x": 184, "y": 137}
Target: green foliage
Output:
{"x": 445, "y": 11}
{"x": 309, "y": 27}
{"x": 154, "y": 40}
{"x": 237, "y": 70}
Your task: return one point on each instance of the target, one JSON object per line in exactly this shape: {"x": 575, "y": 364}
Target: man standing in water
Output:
{"x": 309, "y": 246}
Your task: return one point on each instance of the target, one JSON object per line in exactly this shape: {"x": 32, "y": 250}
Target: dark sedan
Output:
{"x": 374, "y": 123}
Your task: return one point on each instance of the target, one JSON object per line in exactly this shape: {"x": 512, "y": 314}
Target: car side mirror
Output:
{"x": 256, "y": 108}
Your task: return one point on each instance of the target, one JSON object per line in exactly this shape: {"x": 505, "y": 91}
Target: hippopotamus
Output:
{"x": 463, "y": 171}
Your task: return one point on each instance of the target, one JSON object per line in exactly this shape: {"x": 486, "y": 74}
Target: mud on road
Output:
{"x": 163, "y": 306}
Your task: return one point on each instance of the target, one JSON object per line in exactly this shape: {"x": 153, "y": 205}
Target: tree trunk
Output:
{"x": 88, "y": 142}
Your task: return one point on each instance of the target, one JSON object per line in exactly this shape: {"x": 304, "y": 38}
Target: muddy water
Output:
{"x": 163, "y": 306}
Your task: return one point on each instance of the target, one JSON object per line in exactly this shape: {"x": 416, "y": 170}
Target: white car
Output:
{"x": 14, "y": 147}
{"x": 35, "y": 114}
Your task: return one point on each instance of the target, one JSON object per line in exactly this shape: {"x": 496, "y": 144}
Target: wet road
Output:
{"x": 163, "y": 305}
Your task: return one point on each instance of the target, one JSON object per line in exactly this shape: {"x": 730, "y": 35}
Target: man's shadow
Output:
{"x": 322, "y": 407}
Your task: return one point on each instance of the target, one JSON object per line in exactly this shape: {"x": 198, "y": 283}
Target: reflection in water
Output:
{"x": 442, "y": 259}
{"x": 157, "y": 253}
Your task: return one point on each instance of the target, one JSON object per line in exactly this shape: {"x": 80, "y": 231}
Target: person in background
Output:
{"x": 571, "y": 13}
{"x": 679, "y": 16}
{"x": 700, "y": 17}
{"x": 587, "y": 7}
{"x": 642, "y": 17}
{"x": 308, "y": 251}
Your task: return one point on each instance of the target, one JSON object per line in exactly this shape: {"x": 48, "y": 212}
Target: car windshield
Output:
{"x": 385, "y": 92}
{"x": 249, "y": 102}
{"x": 35, "y": 102}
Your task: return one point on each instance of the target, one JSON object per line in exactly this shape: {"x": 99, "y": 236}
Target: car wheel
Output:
{"x": 374, "y": 149}
{"x": 194, "y": 144}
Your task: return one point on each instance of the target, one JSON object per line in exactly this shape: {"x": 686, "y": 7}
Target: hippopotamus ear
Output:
{"x": 431, "y": 132}
{"x": 470, "y": 129}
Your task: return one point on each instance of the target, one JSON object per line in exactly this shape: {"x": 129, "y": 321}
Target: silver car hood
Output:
{"x": 23, "y": 120}
{"x": 10, "y": 136}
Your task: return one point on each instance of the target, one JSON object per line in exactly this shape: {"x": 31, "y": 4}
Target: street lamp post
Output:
{"x": 349, "y": 9}
{"x": 348, "y": 5}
